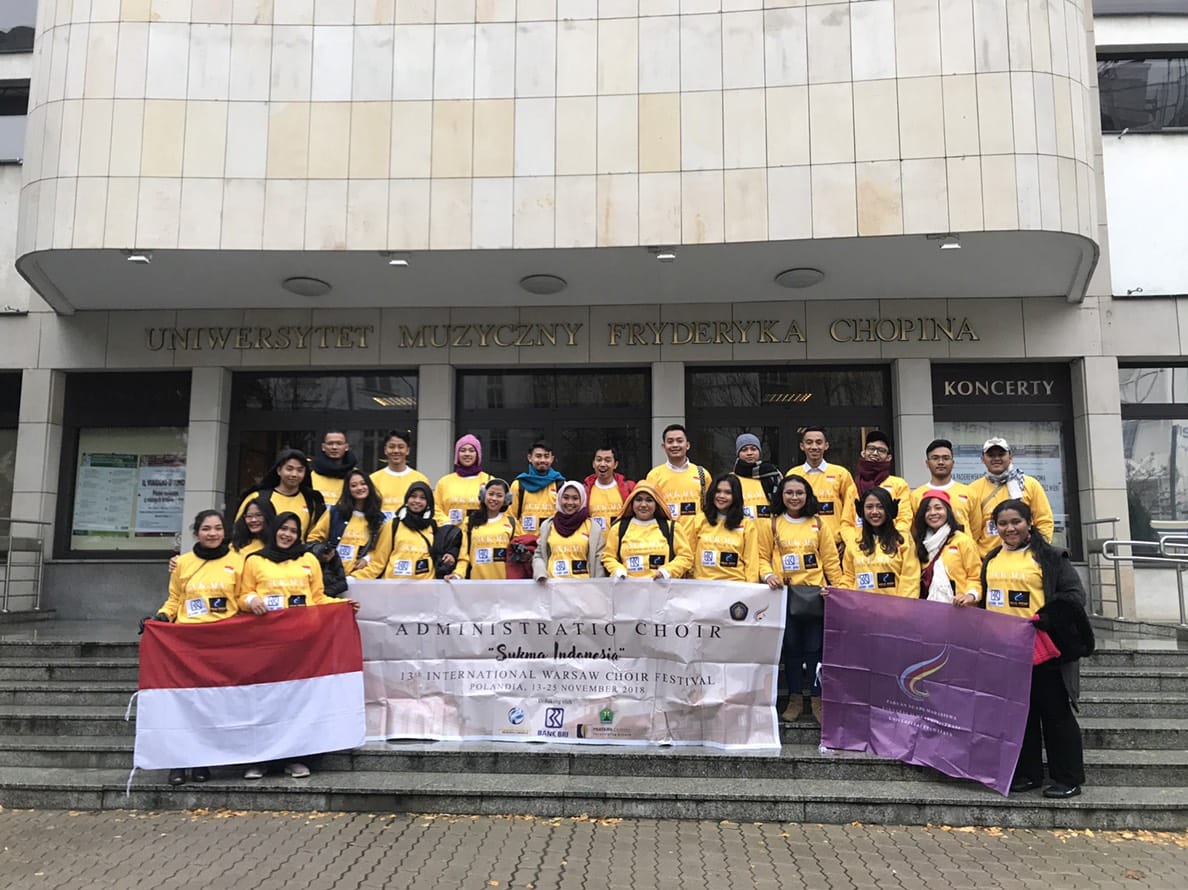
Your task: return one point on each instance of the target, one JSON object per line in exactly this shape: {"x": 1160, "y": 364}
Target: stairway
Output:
{"x": 64, "y": 744}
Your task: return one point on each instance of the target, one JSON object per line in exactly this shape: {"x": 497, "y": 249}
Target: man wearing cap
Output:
{"x": 1004, "y": 480}
{"x": 874, "y": 471}
{"x": 938, "y": 457}
{"x": 757, "y": 477}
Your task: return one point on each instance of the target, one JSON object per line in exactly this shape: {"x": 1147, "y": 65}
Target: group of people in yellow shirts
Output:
{"x": 815, "y": 526}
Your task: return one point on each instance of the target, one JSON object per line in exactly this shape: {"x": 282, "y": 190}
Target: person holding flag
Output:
{"x": 882, "y": 560}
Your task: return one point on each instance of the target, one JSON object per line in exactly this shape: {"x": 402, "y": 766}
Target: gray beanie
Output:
{"x": 744, "y": 440}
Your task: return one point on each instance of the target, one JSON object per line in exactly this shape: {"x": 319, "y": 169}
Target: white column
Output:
{"x": 434, "y": 449}
{"x": 911, "y": 390}
{"x": 207, "y": 443}
{"x": 1101, "y": 462}
{"x": 668, "y": 404}
{"x": 39, "y": 451}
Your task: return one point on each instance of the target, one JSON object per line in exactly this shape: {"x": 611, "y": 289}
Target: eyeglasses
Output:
{"x": 877, "y": 451}
{"x": 941, "y": 458}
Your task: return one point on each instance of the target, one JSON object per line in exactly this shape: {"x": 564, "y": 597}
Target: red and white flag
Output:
{"x": 250, "y": 689}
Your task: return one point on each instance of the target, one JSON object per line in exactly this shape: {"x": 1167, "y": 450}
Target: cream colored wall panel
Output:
{"x": 1019, "y": 34}
{"x": 618, "y": 146}
{"x": 787, "y": 126}
{"x": 701, "y": 52}
{"x": 293, "y": 12}
{"x": 999, "y": 323}
{"x": 660, "y": 208}
{"x": 921, "y": 118}
{"x": 1057, "y": 37}
{"x": 288, "y": 140}
{"x": 1049, "y": 178}
{"x": 701, "y": 131}
{"x": 70, "y": 135}
{"x": 375, "y": 12}
{"x": 60, "y": 234}
{"x": 1045, "y": 114}
{"x": 415, "y": 12}
{"x": 205, "y": 139}
{"x": 326, "y": 215}
{"x": 917, "y": 38}
{"x": 59, "y": 45}
{"x": 995, "y": 114}
{"x": 696, "y": 349}
{"x": 413, "y": 67}
{"x": 742, "y": 50}
{"x": 251, "y": 66}
{"x": 957, "y": 36}
{"x": 333, "y": 60}
{"x": 119, "y": 226}
{"x": 1064, "y": 123}
{"x": 495, "y": 135}
{"x": 201, "y": 218}
{"x": 89, "y": 210}
{"x": 453, "y": 138}
{"x": 828, "y": 29}
{"x": 618, "y": 50}
{"x": 566, "y": 9}
{"x": 831, "y": 123}
{"x": 131, "y": 60}
{"x": 876, "y": 120}
{"x": 536, "y": 10}
{"x": 744, "y": 129}
{"x": 535, "y": 212}
{"x": 789, "y": 203}
{"x": 835, "y": 205}
{"x": 409, "y": 207}
{"x": 125, "y": 339}
{"x": 492, "y": 202}
{"x": 1066, "y": 170}
{"x": 367, "y": 214}
{"x": 880, "y": 198}
{"x": 164, "y": 137}
{"x": 371, "y": 140}
{"x": 872, "y": 39}
{"x": 292, "y": 63}
{"x": 102, "y": 42}
{"x": 450, "y": 214}
{"x": 168, "y": 60}
{"x": 243, "y": 201}
{"x": 990, "y": 34}
{"x": 76, "y": 62}
{"x": 284, "y": 214}
{"x": 1053, "y": 328}
{"x": 210, "y": 62}
{"x": 745, "y": 204}
{"x": 1000, "y": 205}
{"x": 660, "y": 54}
{"x": 329, "y": 140}
{"x": 961, "y": 114}
{"x": 252, "y": 12}
{"x": 455, "y": 11}
{"x": 965, "y": 194}
{"x": 158, "y": 213}
{"x": 925, "y": 195}
{"x": 109, "y": 10}
{"x": 1022, "y": 99}
{"x": 247, "y": 139}
{"x": 655, "y": 7}
{"x": 1027, "y": 187}
{"x": 334, "y": 12}
{"x": 495, "y": 62}
{"x": 577, "y": 134}
{"x": 171, "y": 10}
{"x": 535, "y": 137}
{"x": 412, "y": 139}
{"x": 577, "y": 202}
{"x": 1041, "y": 39}
{"x": 615, "y": 9}
{"x": 617, "y": 205}
{"x": 453, "y": 69}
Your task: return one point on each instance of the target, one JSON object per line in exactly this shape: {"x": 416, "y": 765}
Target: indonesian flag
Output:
{"x": 250, "y": 689}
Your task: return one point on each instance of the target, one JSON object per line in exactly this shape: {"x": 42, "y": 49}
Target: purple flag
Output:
{"x": 926, "y": 683}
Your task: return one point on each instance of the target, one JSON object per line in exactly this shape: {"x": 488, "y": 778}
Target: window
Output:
{"x": 14, "y": 106}
{"x": 17, "y": 21}
{"x": 776, "y": 404}
{"x": 123, "y": 464}
{"x": 574, "y": 411}
{"x": 1143, "y": 93}
{"x": 273, "y": 412}
{"x": 1155, "y": 445}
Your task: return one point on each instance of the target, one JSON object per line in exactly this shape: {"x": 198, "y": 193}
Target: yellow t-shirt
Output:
{"x": 531, "y": 508}
{"x": 204, "y": 590}
{"x": 604, "y": 504}
{"x": 408, "y": 555}
{"x": 354, "y": 537}
{"x": 484, "y": 550}
{"x": 802, "y": 551}
{"x": 454, "y": 496}
{"x": 569, "y": 557}
{"x": 392, "y": 487}
{"x": 724, "y": 554}
{"x": 327, "y": 486}
{"x": 283, "y": 585}
{"x": 834, "y": 487}
{"x": 985, "y": 495}
{"x": 1014, "y": 583}
{"x": 645, "y": 549}
{"x": 684, "y": 492}
{"x": 963, "y": 565}
{"x": 756, "y": 504}
{"x": 897, "y": 574}
{"x": 282, "y": 503}
{"x": 901, "y": 494}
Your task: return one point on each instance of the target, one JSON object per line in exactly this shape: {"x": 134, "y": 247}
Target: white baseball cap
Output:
{"x": 996, "y": 442}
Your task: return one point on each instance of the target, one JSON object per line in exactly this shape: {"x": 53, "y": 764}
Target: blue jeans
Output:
{"x": 803, "y": 639}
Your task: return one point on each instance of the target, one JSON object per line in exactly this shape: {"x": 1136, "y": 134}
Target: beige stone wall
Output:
{"x": 412, "y": 124}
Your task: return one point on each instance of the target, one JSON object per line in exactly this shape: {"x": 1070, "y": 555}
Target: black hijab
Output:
{"x": 417, "y": 521}
{"x": 276, "y": 553}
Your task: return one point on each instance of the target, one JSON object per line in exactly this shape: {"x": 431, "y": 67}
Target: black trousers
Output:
{"x": 1051, "y": 725}
{"x": 802, "y": 654}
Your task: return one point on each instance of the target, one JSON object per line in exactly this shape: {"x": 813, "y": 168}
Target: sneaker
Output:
{"x": 296, "y": 770}
{"x": 200, "y": 774}
{"x": 254, "y": 772}
{"x": 177, "y": 777}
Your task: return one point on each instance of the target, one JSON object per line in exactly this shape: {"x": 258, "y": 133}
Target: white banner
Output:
{"x": 605, "y": 662}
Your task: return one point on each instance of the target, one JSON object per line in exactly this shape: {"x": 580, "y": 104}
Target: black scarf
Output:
{"x": 415, "y": 521}
{"x": 765, "y": 471}
{"x": 323, "y": 466}
{"x": 209, "y": 553}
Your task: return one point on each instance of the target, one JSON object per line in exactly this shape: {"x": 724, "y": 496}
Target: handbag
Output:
{"x": 805, "y": 601}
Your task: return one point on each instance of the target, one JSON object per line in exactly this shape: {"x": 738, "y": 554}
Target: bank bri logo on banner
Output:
{"x": 915, "y": 674}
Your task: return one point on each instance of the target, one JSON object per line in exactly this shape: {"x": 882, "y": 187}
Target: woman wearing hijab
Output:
{"x": 202, "y": 589}
{"x": 457, "y": 493}
{"x": 282, "y": 576}
{"x": 486, "y": 536}
{"x": 757, "y": 477}
{"x": 725, "y": 544}
{"x": 570, "y": 543}
{"x": 644, "y": 542}
{"x": 950, "y": 563}
{"x": 286, "y": 486}
{"x": 882, "y": 560}
{"x": 416, "y": 549}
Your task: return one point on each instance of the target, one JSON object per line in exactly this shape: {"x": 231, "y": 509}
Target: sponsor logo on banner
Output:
{"x": 515, "y": 716}
{"x": 606, "y": 715}
{"x": 554, "y": 718}
{"x": 738, "y": 611}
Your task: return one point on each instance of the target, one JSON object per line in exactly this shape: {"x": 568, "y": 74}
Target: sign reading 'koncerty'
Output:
{"x": 628, "y": 662}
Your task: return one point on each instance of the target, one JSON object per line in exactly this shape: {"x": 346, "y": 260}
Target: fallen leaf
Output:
{"x": 1134, "y": 874}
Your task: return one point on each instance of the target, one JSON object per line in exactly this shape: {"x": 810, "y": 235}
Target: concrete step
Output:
{"x": 1148, "y": 705}
{"x": 764, "y": 799}
{"x": 68, "y": 752}
{"x": 46, "y": 650}
{"x": 65, "y": 720}
{"x": 63, "y": 692}
{"x": 109, "y": 670}
{"x": 1133, "y": 679}
{"x": 1173, "y": 658}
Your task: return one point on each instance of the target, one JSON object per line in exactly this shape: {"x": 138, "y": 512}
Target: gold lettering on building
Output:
{"x": 901, "y": 330}
{"x": 216, "y": 339}
{"x": 463, "y": 336}
{"x": 702, "y": 333}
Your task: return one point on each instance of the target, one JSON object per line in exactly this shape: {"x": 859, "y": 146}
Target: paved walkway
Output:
{"x": 352, "y": 851}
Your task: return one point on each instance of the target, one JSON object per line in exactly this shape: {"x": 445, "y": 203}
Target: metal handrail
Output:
{"x": 1111, "y": 521}
{"x": 1165, "y": 552}
{"x": 11, "y": 521}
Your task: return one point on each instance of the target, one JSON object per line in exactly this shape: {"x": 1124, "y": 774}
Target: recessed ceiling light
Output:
{"x": 947, "y": 241}
{"x": 141, "y": 257}
{"x": 400, "y": 260}
{"x": 306, "y": 287}
{"x": 663, "y": 254}
{"x": 804, "y": 276}
{"x": 543, "y": 285}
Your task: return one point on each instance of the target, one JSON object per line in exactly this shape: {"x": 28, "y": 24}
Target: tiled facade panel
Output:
{"x": 413, "y": 124}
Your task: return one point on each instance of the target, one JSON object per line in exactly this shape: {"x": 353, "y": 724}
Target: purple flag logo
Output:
{"x": 761, "y": 614}
{"x": 915, "y": 674}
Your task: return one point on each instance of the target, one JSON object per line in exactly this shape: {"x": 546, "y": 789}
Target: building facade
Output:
{"x": 243, "y": 222}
